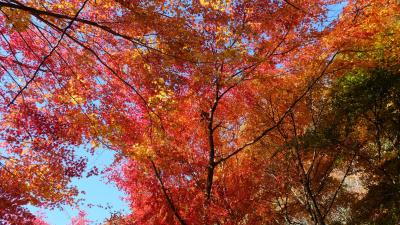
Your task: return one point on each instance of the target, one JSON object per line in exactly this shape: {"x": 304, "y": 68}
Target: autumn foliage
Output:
{"x": 218, "y": 112}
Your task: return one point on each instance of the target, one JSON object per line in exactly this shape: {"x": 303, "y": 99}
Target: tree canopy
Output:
{"x": 218, "y": 111}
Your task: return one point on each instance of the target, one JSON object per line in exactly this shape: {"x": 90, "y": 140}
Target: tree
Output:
{"x": 195, "y": 97}
{"x": 346, "y": 160}
{"x": 371, "y": 103}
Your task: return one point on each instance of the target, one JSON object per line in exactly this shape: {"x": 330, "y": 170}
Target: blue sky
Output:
{"x": 98, "y": 193}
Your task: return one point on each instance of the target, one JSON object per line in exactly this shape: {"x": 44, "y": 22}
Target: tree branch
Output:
{"x": 165, "y": 192}
{"x": 38, "y": 12}
{"x": 48, "y": 55}
{"x": 282, "y": 118}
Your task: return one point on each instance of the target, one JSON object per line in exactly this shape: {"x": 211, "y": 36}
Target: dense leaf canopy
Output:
{"x": 218, "y": 111}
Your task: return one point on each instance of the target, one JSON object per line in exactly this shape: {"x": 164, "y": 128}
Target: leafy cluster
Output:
{"x": 217, "y": 112}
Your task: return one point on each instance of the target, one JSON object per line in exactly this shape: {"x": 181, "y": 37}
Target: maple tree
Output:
{"x": 219, "y": 112}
